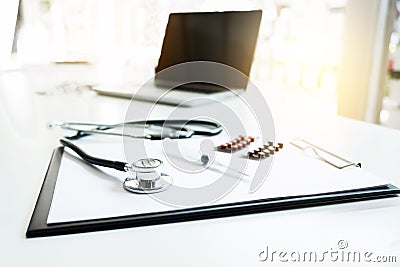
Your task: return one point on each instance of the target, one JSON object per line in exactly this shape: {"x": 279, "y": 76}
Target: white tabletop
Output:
{"x": 26, "y": 144}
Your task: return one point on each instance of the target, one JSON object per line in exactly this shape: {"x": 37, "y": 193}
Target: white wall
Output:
{"x": 8, "y": 19}
{"x": 363, "y": 66}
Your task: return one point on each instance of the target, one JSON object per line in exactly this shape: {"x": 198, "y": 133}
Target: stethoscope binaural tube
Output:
{"x": 147, "y": 178}
{"x": 174, "y": 129}
{"x": 118, "y": 165}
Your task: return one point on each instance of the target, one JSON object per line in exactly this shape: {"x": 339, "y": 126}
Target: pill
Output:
{"x": 262, "y": 155}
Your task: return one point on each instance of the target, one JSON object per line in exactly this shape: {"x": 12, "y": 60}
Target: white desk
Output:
{"x": 26, "y": 146}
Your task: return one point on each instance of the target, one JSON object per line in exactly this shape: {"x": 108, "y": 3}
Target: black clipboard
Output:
{"x": 38, "y": 226}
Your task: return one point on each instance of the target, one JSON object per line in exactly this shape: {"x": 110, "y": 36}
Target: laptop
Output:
{"x": 228, "y": 38}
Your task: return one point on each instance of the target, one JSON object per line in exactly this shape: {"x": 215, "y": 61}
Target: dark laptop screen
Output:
{"x": 223, "y": 37}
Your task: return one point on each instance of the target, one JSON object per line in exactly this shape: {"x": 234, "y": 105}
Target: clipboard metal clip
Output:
{"x": 324, "y": 155}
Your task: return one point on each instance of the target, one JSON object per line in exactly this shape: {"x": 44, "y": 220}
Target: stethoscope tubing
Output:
{"x": 117, "y": 165}
{"x": 216, "y": 128}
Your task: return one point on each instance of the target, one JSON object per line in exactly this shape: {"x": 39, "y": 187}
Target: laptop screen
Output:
{"x": 223, "y": 37}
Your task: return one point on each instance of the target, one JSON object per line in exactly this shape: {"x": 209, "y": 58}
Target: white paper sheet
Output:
{"x": 84, "y": 192}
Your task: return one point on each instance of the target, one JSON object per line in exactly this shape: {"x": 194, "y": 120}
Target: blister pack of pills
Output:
{"x": 265, "y": 150}
{"x": 236, "y": 144}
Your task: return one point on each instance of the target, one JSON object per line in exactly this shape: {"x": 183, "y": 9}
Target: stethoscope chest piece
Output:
{"x": 147, "y": 178}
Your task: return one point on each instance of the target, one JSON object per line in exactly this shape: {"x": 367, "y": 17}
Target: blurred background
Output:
{"x": 341, "y": 55}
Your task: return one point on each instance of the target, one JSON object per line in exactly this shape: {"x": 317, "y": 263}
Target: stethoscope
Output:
{"x": 159, "y": 129}
{"x": 147, "y": 176}
{"x": 146, "y": 173}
